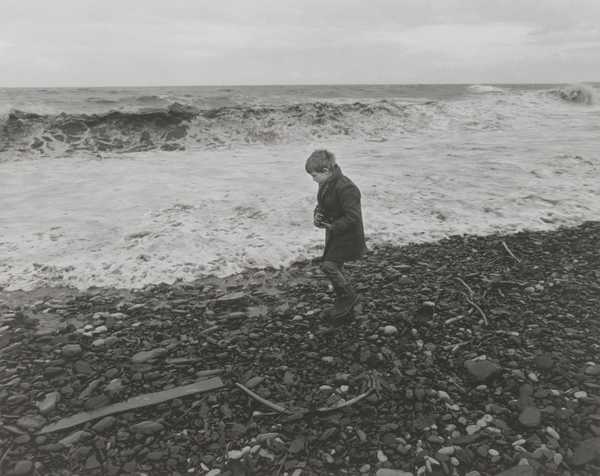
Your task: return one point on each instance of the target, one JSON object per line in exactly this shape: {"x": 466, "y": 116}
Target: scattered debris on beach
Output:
{"x": 470, "y": 356}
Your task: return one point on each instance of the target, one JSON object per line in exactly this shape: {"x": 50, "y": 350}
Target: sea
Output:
{"x": 126, "y": 187}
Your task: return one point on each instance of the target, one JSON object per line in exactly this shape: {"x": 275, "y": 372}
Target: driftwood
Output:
{"x": 5, "y": 454}
{"x": 479, "y": 309}
{"x": 471, "y": 293}
{"x": 510, "y": 252}
{"x": 280, "y": 409}
{"x": 135, "y": 402}
{"x": 264, "y": 401}
{"x": 346, "y": 404}
{"x": 454, "y": 319}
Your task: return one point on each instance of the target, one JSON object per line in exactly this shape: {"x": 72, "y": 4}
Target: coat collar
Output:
{"x": 335, "y": 176}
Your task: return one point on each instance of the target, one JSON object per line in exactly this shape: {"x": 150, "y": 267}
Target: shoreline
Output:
{"x": 526, "y": 301}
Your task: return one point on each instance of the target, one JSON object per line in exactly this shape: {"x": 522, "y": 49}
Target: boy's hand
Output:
{"x": 320, "y": 220}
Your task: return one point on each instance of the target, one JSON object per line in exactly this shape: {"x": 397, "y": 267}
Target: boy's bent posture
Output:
{"x": 339, "y": 212}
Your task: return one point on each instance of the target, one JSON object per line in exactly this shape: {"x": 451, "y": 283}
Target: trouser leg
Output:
{"x": 334, "y": 272}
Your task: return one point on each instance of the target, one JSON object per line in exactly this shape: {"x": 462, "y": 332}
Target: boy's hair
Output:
{"x": 320, "y": 160}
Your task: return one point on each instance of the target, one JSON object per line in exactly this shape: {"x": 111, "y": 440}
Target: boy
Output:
{"x": 339, "y": 212}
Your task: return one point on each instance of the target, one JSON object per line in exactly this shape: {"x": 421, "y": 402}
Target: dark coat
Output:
{"x": 339, "y": 200}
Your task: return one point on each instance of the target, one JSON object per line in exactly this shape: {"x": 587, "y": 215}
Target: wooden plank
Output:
{"x": 135, "y": 402}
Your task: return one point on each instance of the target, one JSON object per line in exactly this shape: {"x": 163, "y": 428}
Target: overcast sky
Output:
{"x": 165, "y": 42}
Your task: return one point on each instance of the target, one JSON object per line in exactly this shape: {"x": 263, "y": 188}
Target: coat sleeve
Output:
{"x": 349, "y": 197}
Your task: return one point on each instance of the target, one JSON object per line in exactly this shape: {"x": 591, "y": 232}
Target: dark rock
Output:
{"x": 482, "y": 370}
{"x": 71, "y": 350}
{"x": 147, "y": 427}
{"x": 82, "y": 367}
{"x": 147, "y": 355}
{"x": 31, "y": 422}
{"x": 92, "y": 463}
{"x": 75, "y": 438}
{"x": 22, "y": 468}
{"x": 544, "y": 361}
{"x": 98, "y": 401}
{"x": 530, "y": 417}
{"x": 105, "y": 424}
{"x": 520, "y": 470}
{"x": 586, "y": 452}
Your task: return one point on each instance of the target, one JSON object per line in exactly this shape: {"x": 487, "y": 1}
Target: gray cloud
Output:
{"x": 85, "y": 42}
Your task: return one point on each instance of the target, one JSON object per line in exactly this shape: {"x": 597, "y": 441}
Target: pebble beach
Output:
{"x": 473, "y": 355}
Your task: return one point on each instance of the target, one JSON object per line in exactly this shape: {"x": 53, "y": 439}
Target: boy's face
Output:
{"x": 320, "y": 177}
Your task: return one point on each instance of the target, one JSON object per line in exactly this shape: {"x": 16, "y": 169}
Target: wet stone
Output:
{"x": 147, "y": 427}
{"x": 530, "y": 417}
{"x": 31, "y": 422}
{"x": 75, "y": 438}
{"x": 147, "y": 355}
{"x": 83, "y": 368}
{"x": 586, "y": 452}
{"x": 49, "y": 403}
{"x": 544, "y": 361}
{"x": 71, "y": 350}
{"x": 22, "y": 439}
{"x": 22, "y": 468}
{"x": 392, "y": 472}
{"x": 105, "y": 424}
{"x": 482, "y": 370}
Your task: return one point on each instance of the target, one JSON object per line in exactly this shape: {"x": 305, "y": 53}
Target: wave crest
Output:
{"x": 577, "y": 93}
{"x": 180, "y": 126}
{"x": 484, "y": 88}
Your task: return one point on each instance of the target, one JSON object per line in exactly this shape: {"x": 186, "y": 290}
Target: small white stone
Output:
{"x": 472, "y": 429}
{"x": 443, "y": 395}
{"x": 552, "y": 432}
{"x": 100, "y": 330}
{"x": 325, "y": 388}
{"x": 520, "y": 442}
{"x": 446, "y": 450}
{"x": 558, "y": 459}
{"x": 454, "y": 460}
{"x": 344, "y": 388}
{"x": 264, "y": 453}
{"x": 328, "y": 359}
{"x": 381, "y": 457}
{"x": 533, "y": 377}
{"x": 580, "y": 394}
{"x": 234, "y": 454}
{"x": 492, "y": 452}
{"x": 390, "y": 330}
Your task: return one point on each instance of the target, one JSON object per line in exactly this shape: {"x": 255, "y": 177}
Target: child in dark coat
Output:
{"x": 339, "y": 212}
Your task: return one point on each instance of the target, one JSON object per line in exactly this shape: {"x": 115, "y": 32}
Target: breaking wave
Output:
{"x": 180, "y": 126}
{"x": 484, "y": 88}
{"x": 576, "y": 93}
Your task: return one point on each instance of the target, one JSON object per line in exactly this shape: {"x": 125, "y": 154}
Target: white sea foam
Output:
{"x": 493, "y": 163}
{"x": 485, "y": 88}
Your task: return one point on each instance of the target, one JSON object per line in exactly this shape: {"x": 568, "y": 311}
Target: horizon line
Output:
{"x": 208, "y": 85}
